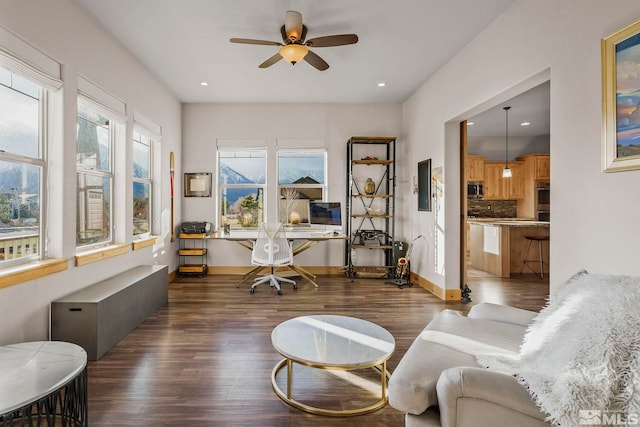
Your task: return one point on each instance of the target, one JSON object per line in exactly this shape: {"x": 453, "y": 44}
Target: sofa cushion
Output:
{"x": 449, "y": 340}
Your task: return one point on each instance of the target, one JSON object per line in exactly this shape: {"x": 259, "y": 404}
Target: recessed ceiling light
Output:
{"x": 470, "y": 123}
{"x": 525, "y": 124}
{"x": 204, "y": 84}
{"x": 382, "y": 84}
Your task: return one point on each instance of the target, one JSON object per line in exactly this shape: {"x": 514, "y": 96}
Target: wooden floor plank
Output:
{"x": 206, "y": 358}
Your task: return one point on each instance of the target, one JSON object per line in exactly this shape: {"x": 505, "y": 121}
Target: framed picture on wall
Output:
{"x": 197, "y": 184}
{"x": 424, "y": 185}
{"x": 621, "y": 100}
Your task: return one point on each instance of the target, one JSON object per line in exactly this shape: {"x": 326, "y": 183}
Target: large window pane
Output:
{"x": 94, "y": 210}
{"x": 242, "y": 207}
{"x": 242, "y": 167}
{"x": 301, "y": 167}
{"x": 141, "y": 199}
{"x": 242, "y": 178}
{"x": 93, "y": 142}
{"x": 19, "y": 122}
{"x": 19, "y": 210}
{"x": 141, "y": 156}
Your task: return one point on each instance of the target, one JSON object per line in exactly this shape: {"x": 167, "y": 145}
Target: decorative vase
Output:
{"x": 369, "y": 186}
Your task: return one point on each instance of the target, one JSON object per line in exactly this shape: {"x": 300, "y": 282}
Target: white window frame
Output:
{"x": 97, "y": 100}
{"x": 223, "y": 186}
{"x": 281, "y": 187}
{"x": 40, "y": 162}
{"x": 148, "y": 181}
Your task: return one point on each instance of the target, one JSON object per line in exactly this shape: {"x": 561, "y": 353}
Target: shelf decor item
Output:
{"x": 369, "y": 186}
{"x": 620, "y": 96}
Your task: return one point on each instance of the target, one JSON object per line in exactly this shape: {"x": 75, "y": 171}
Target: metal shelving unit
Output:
{"x": 192, "y": 245}
{"x": 370, "y": 223}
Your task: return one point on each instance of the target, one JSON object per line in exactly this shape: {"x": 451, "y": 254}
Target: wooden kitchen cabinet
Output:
{"x": 498, "y": 188}
{"x": 542, "y": 167}
{"x": 475, "y": 168}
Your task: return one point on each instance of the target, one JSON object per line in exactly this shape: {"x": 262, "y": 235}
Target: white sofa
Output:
{"x": 483, "y": 369}
{"x": 439, "y": 383}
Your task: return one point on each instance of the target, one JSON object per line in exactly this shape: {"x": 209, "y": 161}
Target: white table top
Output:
{"x": 330, "y": 341}
{"x": 30, "y": 371}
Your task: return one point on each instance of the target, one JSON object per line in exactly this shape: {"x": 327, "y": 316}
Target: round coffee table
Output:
{"x": 332, "y": 342}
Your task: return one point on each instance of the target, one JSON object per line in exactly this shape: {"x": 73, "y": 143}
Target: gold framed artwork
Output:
{"x": 197, "y": 184}
{"x": 621, "y": 100}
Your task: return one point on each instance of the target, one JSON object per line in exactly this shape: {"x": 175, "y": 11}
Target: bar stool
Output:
{"x": 540, "y": 260}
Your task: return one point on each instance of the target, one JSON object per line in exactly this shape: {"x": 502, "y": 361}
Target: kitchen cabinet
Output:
{"x": 535, "y": 169}
{"x": 498, "y": 188}
{"x": 475, "y": 168}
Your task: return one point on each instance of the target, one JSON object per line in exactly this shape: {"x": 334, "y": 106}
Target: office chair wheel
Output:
{"x": 295, "y": 287}
{"x": 252, "y": 290}
{"x": 279, "y": 291}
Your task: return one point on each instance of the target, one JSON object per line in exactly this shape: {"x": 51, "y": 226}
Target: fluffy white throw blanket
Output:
{"x": 582, "y": 351}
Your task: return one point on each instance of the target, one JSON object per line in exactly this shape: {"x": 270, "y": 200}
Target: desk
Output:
{"x": 41, "y": 382}
{"x": 302, "y": 240}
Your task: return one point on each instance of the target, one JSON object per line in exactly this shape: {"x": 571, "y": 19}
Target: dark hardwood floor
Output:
{"x": 206, "y": 358}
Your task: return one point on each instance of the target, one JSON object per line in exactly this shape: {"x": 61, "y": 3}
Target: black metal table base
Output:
{"x": 65, "y": 407}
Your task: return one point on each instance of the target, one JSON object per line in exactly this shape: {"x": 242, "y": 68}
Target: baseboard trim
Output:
{"x": 443, "y": 294}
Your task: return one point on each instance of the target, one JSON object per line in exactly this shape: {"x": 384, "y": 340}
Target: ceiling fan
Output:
{"x": 294, "y": 48}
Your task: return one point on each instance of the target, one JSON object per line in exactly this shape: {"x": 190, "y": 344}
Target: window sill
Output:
{"x": 143, "y": 243}
{"x": 95, "y": 255}
{"x": 33, "y": 270}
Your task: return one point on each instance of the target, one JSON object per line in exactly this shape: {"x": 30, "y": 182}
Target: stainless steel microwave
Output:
{"x": 475, "y": 190}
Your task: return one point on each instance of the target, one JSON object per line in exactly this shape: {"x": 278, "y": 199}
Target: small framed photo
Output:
{"x": 424, "y": 185}
{"x": 197, "y": 184}
{"x": 620, "y": 99}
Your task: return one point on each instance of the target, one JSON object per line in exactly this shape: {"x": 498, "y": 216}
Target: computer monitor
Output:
{"x": 328, "y": 214}
{"x": 297, "y": 210}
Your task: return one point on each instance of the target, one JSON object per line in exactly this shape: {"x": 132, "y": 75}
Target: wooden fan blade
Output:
{"x": 252, "y": 41}
{"x": 336, "y": 40}
{"x": 293, "y": 25}
{"x": 316, "y": 61}
{"x": 269, "y": 62}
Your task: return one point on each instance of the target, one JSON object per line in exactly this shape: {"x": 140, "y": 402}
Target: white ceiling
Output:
{"x": 532, "y": 106}
{"x": 401, "y": 43}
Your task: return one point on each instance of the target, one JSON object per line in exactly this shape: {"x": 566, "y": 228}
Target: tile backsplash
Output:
{"x": 492, "y": 208}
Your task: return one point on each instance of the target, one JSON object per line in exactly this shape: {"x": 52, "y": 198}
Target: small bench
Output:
{"x": 99, "y": 316}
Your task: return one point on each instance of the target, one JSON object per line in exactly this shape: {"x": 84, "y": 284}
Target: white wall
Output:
{"x": 65, "y": 33}
{"x": 595, "y": 215}
{"x": 203, "y": 124}
{"x": 493, "y": 147}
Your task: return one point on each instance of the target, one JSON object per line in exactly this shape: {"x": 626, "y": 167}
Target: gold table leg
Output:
{"x": 385, "y": 375}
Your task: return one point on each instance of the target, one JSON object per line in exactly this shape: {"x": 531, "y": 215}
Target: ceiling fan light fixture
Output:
{"x": 293, "y": 53}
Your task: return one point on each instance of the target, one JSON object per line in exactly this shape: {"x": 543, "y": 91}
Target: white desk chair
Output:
{"x": 272, "y": 249}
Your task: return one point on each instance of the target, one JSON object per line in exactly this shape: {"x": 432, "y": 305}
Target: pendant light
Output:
{"x": 506, "y": 173}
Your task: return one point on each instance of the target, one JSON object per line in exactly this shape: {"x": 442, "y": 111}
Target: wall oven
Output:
{"x": 543, "y": 201}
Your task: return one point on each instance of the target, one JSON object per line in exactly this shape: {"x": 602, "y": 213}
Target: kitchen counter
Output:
{"x": 497, "y": 245}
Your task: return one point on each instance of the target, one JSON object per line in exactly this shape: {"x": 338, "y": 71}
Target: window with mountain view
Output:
{"x": 142, "y": 184}
{"x": 95, "y": 177}
{"x": 242, "y": 185}
{"x": 301, "y": 178}
{"x": 21, "y": 167}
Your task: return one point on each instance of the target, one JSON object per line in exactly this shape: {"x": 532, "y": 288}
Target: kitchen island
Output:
{"x": 497, "y": 245}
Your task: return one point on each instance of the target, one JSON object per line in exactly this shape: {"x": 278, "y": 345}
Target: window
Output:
{"x": 94, "y": 165}
{"x": 242, "y": 183}
{"x": 142, "y": 184}
{"x": 301, "y": 178}
{"x": 23, "y": 109}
